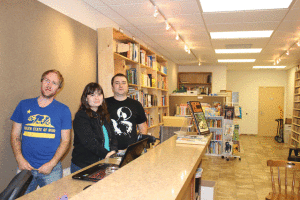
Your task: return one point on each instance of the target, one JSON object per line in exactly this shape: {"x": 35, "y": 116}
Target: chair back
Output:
{"x": 17, "y": 186}
{"x": 287, "y": 172}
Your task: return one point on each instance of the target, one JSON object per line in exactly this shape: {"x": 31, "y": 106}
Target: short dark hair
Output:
{"x": 120, "y": 75}
{"x": 60, "y": 77}
{"x": 91, "y": 88}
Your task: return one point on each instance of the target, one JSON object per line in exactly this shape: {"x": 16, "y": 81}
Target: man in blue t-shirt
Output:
{"x": 40, "y": 133}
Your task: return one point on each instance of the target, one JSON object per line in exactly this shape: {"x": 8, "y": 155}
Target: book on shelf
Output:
{"x": 199, "y": 117}
{"x": 131, "y": 76}
{"x": 143, "y": 57}
{"x": 191, "y": 139}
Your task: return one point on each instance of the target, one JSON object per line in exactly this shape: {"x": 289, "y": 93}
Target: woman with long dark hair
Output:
{"x": 94, "y": 139}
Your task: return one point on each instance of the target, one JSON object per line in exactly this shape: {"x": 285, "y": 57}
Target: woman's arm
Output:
{"x": 86, "y": 135}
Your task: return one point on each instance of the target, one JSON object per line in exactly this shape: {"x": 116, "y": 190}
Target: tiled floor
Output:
{"x": 248, "y": 178}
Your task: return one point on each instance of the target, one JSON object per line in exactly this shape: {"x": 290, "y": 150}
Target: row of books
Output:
{"x": 214, "y": 123}
{"x": 148, "y": 80}
{"x": 130, "y": 50}
{"x": 147, "y": 60}
{"x": 183, "y": 109}
{"x": 149, "y": 100}
{"x": 161, "y": 68}
{"x": 149, "y": 119}
{"x": 216, "y": 135}
{"x": 163, "y": 100}
{"x": 131, "y": 76}
{"x": 161, "y": 82}
{"x": 215, "y": 147}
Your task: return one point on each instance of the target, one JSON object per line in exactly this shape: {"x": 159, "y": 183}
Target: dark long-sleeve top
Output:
{"x": 89, "y": 139}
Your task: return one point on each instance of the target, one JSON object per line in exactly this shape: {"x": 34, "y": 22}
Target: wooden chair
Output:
{"x": 288, "y": 166}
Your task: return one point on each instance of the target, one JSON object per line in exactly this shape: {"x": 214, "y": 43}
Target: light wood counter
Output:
{"x": 164, "y": 172}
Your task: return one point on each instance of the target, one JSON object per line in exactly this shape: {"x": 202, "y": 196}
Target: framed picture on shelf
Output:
{"x": 199, "y": 117}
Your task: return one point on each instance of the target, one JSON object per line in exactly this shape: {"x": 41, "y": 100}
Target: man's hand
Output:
{"x": 110, "y": 154}
{"x": 46, "y": 168}
{"x": 24, "y": 164}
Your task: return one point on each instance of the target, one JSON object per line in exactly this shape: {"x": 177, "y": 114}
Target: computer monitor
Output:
{"x": 17, "y": 186}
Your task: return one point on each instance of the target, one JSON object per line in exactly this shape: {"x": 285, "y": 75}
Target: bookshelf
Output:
{"x": 146, "y": 71}
{"x": 195, "y": 80}
{"x": 216, "y": 127}
{"x": 295, "y": 139}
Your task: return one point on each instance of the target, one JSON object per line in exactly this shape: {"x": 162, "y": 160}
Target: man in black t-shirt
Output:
{"x": 125, "y": 113}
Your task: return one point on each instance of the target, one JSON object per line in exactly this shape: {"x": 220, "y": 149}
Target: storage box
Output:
{"x": 288, "y": 120}
{"x": 287, "y": 133}
{"x": 191, "y": 92}
{"x": 207, "y": 190}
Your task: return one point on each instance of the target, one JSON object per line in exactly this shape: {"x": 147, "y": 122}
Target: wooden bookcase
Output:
{"x": 295, "y": 139}
{"x": 110, "y": 62}
{"x": 195, "y": 80}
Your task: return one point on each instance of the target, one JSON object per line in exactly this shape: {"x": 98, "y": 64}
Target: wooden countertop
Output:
{"x": 164, "y": 172}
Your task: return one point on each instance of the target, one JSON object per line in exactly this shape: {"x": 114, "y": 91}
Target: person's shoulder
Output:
{"x": 130, "y": 100}
{"x": 109, "y": 99}
{"x": 81, "y": 114}
{"x": 60, "y": 105}
{"x": 28, "y": 101}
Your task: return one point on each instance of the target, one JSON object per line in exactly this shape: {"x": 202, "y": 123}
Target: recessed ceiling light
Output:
{"x": 240, "y": 34}
{"x": 269, "y": 67}
{"x": 236, "y": 60}
{"x": 238, "y": 50}
{"x": 236, "y": 5}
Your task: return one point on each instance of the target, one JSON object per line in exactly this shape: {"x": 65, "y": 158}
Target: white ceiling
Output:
{"x": 187, "y": 18}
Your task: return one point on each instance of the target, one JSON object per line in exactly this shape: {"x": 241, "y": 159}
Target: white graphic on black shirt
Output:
{"x": 122, "y": 126}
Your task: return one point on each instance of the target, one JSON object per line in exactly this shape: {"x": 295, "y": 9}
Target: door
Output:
{"x": 270, "y": 102}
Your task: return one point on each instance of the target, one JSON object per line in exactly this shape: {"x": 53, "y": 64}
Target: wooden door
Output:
{"x": 269, "y": 100}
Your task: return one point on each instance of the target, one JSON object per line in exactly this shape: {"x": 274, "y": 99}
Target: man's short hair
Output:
{"x": 118, "y": 74}
{"x": 60, "y": 77}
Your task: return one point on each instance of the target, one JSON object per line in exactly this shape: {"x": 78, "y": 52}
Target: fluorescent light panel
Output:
{"x": 236, "y": 60}
{"x": 238, "y": 50}
{"x": 269, "y": 67}
{"x": 236, "y": 5}
{"x": 241, "y": 34}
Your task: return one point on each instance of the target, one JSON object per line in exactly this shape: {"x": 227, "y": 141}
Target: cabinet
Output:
{"x": 195, "y": 81}
{"x": 216, "y": 127}
{"x": 146, "y": 72}
{"x": 296, "y": 112}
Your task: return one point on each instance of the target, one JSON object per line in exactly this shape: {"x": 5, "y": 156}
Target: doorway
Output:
{"x": 270, "y": 100}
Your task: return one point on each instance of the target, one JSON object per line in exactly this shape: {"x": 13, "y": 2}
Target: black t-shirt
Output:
{"x": 125, "y": 115}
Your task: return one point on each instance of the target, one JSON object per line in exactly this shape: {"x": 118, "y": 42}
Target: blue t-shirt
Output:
{"x": 41, "y": 129}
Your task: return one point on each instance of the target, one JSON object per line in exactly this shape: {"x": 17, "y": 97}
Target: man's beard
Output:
{"x": 48, "y": 96}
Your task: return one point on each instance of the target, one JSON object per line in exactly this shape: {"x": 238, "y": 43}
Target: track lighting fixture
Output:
{"x": 177, "y": 36}
{"x": 167, "y": 26}
{"x": 155, "y": 12}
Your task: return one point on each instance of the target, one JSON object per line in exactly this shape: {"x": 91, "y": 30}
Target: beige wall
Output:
{"x": 33, "y": 39}
{"x": 172, "y": 76}
{"x": 219, "y": 75}
{"x": 247, "y": 84}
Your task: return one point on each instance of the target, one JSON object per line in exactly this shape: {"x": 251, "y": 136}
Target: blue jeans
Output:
{"x": 42, "y": 179}
{"x": 74, "y": 168}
